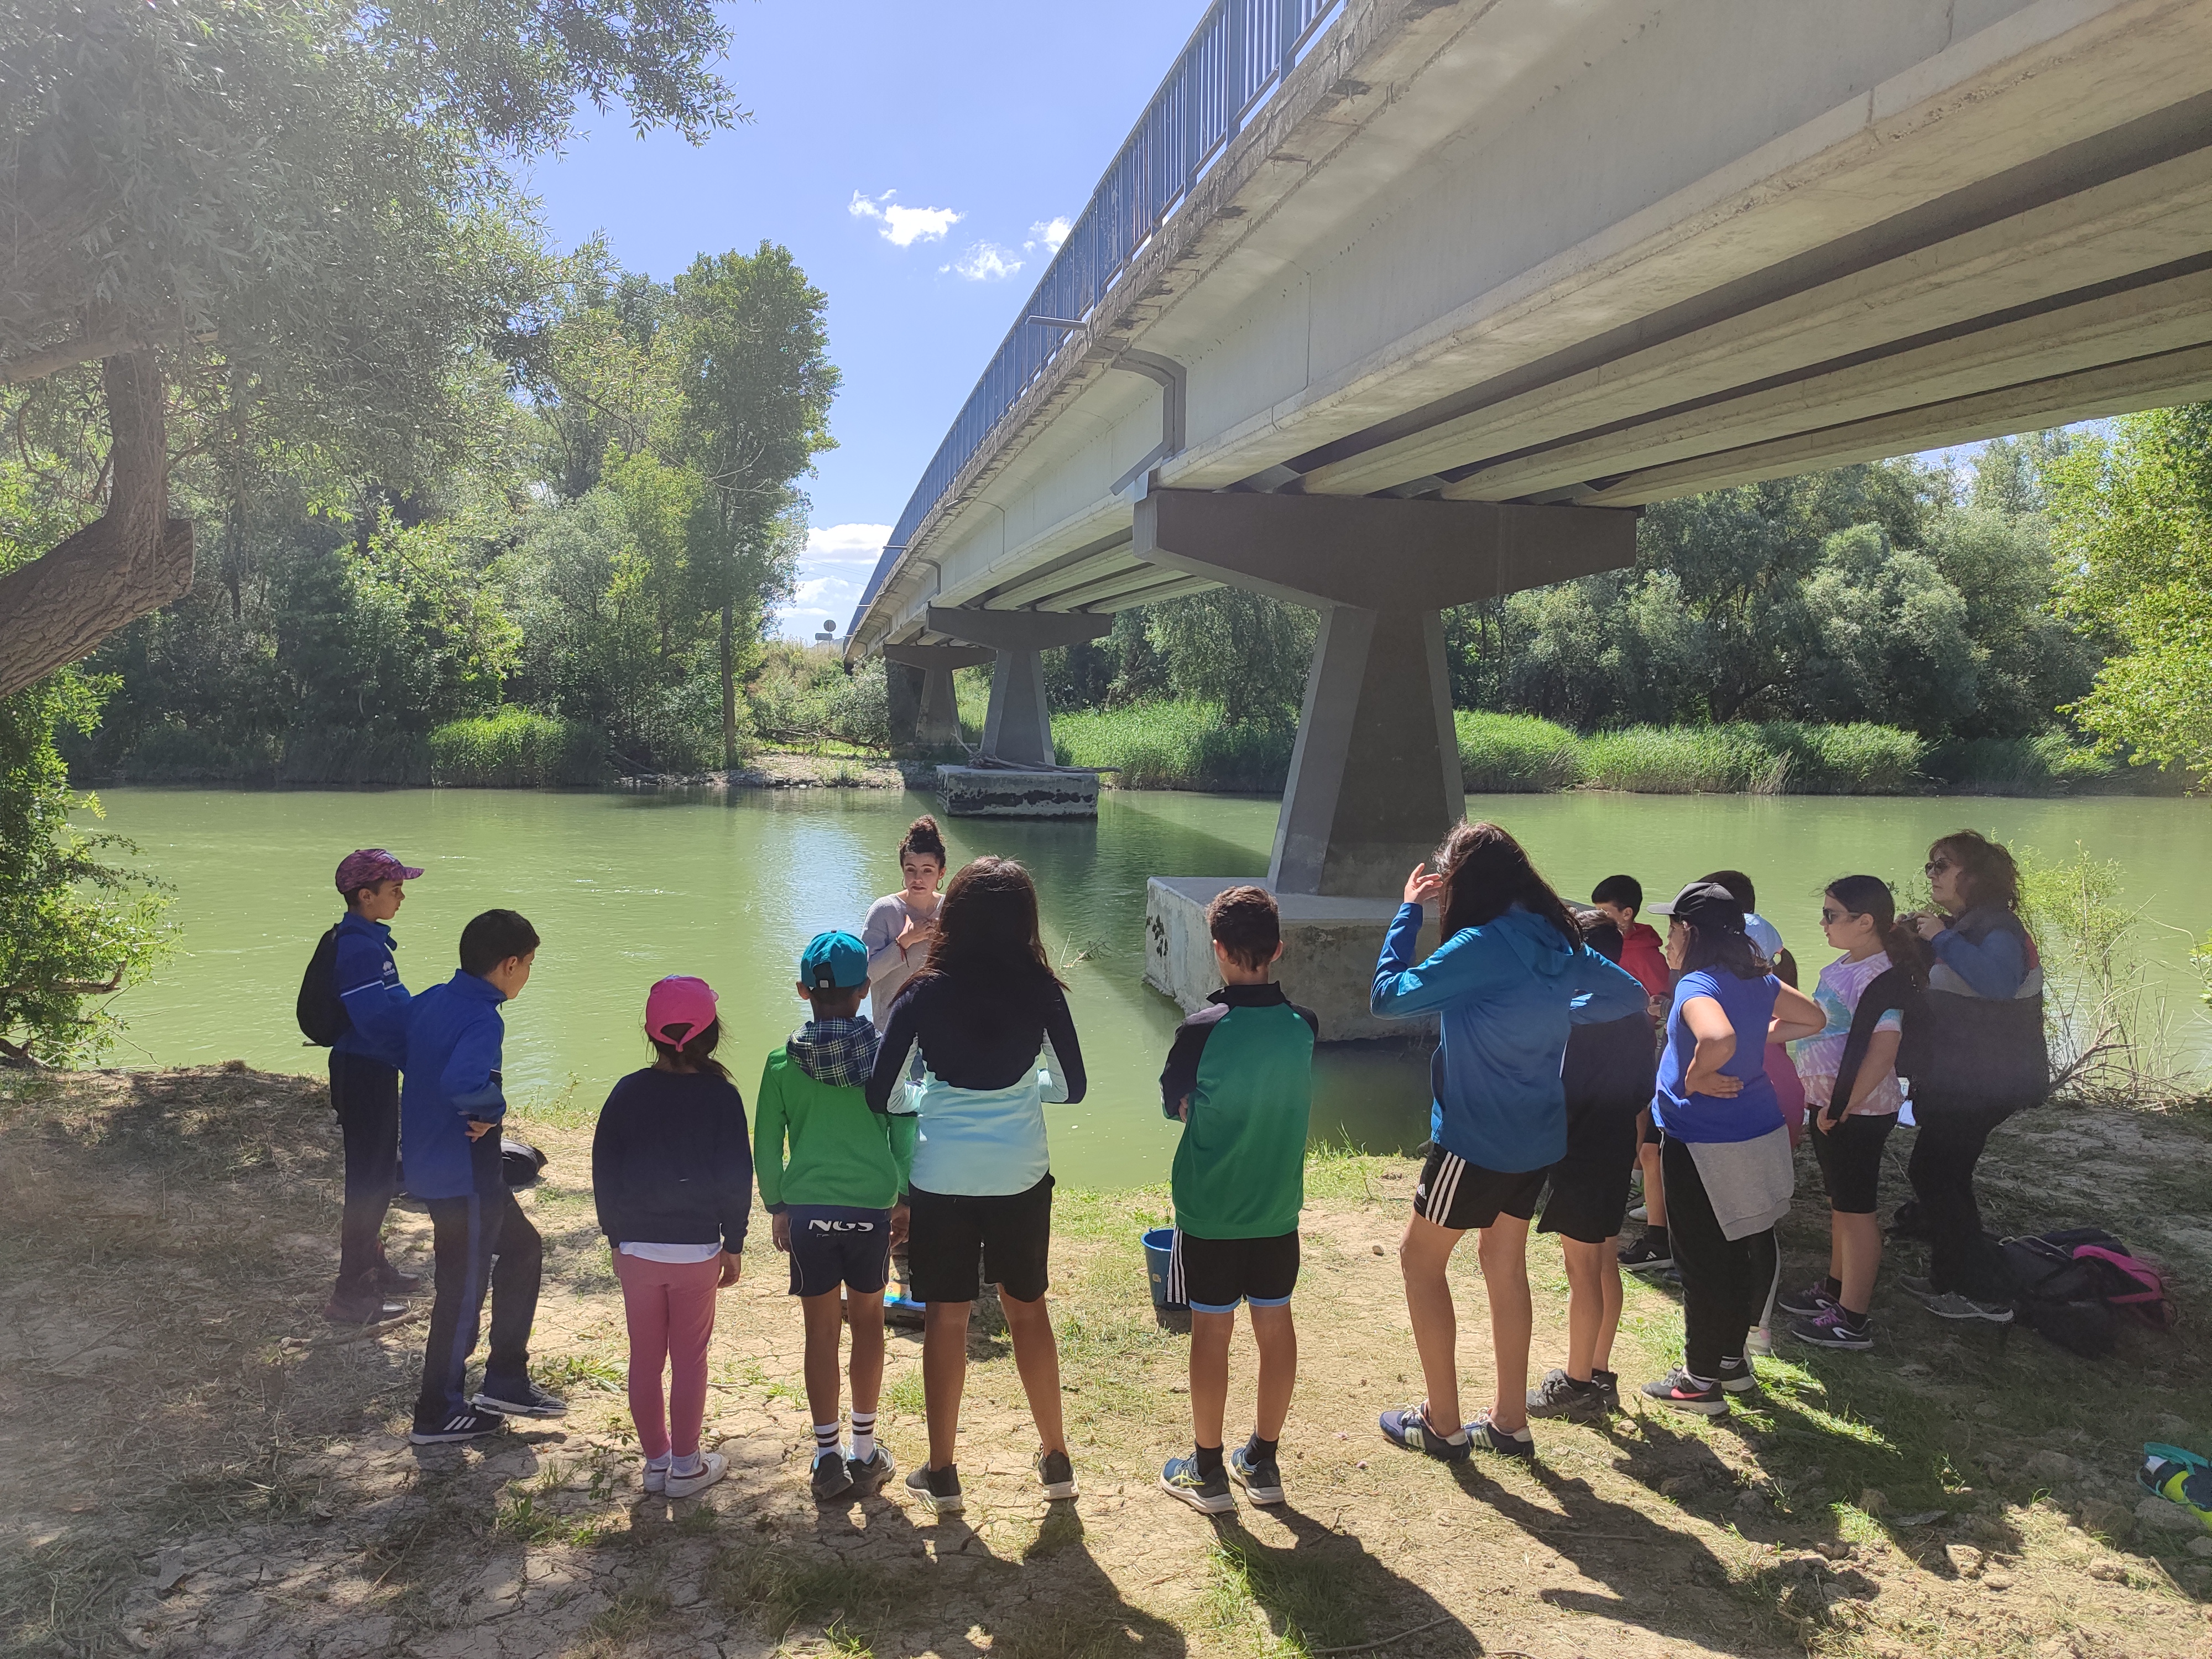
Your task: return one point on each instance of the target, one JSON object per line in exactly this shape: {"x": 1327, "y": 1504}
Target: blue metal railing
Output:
{"x": 1240, "y": 49}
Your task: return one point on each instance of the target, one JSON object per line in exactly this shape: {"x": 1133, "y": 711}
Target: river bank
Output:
{"x": 211, "y": 1470}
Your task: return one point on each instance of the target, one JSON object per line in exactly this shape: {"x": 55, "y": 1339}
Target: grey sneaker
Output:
{"x": 872, "y": 1470}
{"x": 1261, "y": 1478}
{"x": 1056, "y": 1474}
{"x": 1208, "y": 1494}
{"x": 1560, "y": 1395}
{"x": 831, "y": 1479}
{"x": 938, "y": 1489}
{"x": 1952, "y": 1305}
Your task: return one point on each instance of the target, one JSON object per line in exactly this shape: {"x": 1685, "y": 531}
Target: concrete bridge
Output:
{"x": 1391, "y": 305}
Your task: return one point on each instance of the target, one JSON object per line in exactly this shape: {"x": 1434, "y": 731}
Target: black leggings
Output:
{"x": 1960, "y": 1256}
{"x": 1726, "y": 1282}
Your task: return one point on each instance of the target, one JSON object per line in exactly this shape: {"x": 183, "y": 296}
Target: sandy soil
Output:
{"x": 193, "y": 1462}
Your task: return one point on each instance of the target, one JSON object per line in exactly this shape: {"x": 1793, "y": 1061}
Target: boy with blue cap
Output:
{"x": 833, "y": 1175}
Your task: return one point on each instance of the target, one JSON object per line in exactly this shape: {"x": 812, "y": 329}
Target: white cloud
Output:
{"x": 832, "y": 572}
{"x": 986, "y": 262}
{"x": 900, "y": 225}
{"x": 1051, "y": 232}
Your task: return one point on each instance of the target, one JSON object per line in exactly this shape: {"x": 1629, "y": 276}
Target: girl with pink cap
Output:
{"x": 673, "y": 1176}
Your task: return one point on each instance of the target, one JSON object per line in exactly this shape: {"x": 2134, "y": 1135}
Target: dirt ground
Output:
{"x": 193, "y": 1462}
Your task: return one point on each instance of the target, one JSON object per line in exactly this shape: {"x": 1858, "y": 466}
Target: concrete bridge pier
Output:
{"x": 1374, "y": 780}
{"x": 924, "y": 710}
{"x": 1015, "y": 775}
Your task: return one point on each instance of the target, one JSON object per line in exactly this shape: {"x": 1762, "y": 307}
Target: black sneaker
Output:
{"x": 519, "y": 1397}
{"x": 1645, "y": 1257}
{"x": 872, "y": 1470}
{"x": 1677, "y": 1389}
{"x": 361, "y": 1307}
{"x": 392, "y": 1282}
{"x": 1834, "y": 1328}
{"x": 1055, "y": 1475}
{"x": 1260, "y": 1477}
{"x": 1736, "y": 1376}
{"x": 467, "y": 1424}
{"x": 831, "y": 1479}
{"x": 1560, "y": 1395}
{"x": 1608, "y": 1383}
{"x": 1808, "y": 1303}
{"x": 938, "y": 1489}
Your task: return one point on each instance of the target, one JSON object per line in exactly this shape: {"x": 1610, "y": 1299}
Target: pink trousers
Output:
{"x": 670, "y": 1308}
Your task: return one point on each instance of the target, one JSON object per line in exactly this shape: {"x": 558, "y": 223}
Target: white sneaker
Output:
{"x": 656, "y": 1480}
{"x": 1760, "y": 1343}
{"x": 1641, "y": 1212}
{"x": 712, "y": 1468}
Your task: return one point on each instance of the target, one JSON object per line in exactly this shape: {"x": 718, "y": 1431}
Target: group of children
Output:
{"x": 1575, "y": 1045}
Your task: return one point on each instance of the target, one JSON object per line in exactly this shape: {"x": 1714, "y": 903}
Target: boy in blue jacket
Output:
{"x": 365, "y": 1082}
{"x": 449, "y": 1116}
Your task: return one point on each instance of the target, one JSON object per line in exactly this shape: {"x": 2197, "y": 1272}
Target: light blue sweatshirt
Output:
{"x": 1506, "y": 993}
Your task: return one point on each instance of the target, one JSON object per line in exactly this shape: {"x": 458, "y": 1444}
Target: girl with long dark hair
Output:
{"x": 982, "y": 1010}
{"x": 1509, "y": 977}
{"x": 1725, "y": 1149}
{"x": 1852, "y": 1119}
{"x": 1976, "y": 1054}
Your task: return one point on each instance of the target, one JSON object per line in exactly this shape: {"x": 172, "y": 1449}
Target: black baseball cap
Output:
{"x": 1705, "y": 905}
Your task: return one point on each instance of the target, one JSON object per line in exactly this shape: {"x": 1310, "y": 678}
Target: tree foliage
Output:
{"x": 2131, "y": 518}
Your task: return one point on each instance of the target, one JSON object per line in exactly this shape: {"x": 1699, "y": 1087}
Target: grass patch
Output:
{"x": 1175, "y": 745}
{"x": 776, "y": 1589}
{"x": 1516, "y": 754}
{"x": 63, "y": 1597}
{"x": 1304, "y": 1602}
{"x": 2048, "y": 764}
{"x": 515, "y": 749}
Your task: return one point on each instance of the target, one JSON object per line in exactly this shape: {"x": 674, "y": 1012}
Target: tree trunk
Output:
{"x": 132, "y": 559}
{"x": 729, "y": 692}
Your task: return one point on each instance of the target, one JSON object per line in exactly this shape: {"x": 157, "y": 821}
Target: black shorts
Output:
{"x": 1212, "y": 1275}
{"x": 1650, "y": 1130}
{"x": 1589, "y": 1199}
{"x": 834, "y": 1244}
{"x": 944, "y": 1231}
{"x": 1455, "y": 1193}
{"x": 1850, "y": 1160}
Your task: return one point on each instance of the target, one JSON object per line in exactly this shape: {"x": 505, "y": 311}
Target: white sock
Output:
{"x": 825, "y": 1438}
{"x": 660, "y": 1462}
{"x": 685, "y": 1468}
{"x": 864, "y": 1436}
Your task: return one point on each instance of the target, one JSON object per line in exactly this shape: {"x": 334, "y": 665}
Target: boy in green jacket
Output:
{"x": 837, "y": 1205}
{"x": 1240, "y": 1076}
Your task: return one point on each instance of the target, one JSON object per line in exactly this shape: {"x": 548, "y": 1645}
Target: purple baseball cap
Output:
{"x": 365, "y": 867}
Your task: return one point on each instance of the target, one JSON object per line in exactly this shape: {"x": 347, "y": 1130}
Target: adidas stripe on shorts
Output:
{"x": 1455, "y": 1193}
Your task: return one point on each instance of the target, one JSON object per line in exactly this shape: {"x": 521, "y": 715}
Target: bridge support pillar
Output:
{"x": 1374, "y": 780}
{"x": 1015, "y": 775}
{"x": 925, "y": 711}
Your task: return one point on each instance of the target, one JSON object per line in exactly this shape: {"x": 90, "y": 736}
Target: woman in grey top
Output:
{"x": 900, "y": 926}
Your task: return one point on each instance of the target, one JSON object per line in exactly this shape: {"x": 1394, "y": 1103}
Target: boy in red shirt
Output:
{"x": 1619, "y": 898}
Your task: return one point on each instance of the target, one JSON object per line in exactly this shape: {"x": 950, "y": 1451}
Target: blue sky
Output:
{"x": 913, "y": 158}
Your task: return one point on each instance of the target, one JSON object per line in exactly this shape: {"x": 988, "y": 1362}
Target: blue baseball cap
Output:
{"x": 834, "y": 961}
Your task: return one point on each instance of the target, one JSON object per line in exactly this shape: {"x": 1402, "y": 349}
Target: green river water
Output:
{"x": 625, "y": 888}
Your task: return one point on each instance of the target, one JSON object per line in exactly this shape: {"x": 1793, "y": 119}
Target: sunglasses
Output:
{"x": 1936, "y": 867}
{"x": 1830, "y": 918}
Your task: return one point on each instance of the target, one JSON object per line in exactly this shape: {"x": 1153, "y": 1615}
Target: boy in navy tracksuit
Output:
{"x": 449, "y": 1116}
{"x": 365, "y": 1082}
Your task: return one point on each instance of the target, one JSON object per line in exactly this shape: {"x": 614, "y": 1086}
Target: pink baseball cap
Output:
{"x": 365, "y": 867}
{"x": 678, "y": 1008}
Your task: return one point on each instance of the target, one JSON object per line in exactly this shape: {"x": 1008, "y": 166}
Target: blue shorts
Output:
{"x": 834, "y": 1244}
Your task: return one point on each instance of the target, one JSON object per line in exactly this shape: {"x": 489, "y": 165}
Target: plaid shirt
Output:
{"x": 840, "y": 1053}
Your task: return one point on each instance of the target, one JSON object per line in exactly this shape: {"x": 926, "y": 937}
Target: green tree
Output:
{"x": 2131, "y": 522}
{"x": 1245, "y": 652}
{"x": 757, "y": 383}
{"x": 306, "y": 205}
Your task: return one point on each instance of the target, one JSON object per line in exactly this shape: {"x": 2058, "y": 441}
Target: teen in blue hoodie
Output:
{"x": 365, "y": 1082}
{"x": 1512, "y": 976}
{"x": 450, "y": 1111}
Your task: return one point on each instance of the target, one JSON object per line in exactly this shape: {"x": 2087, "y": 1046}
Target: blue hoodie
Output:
{"x": 454, "y": 1032}
{"x": 1506, "y": 993}
{"x": 367, "y": 980}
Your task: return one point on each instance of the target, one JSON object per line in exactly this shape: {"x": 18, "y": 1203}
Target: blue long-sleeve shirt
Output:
{"x": 367, "y": 980}
{"x": 1987, "y": 948}
{"x": 455, "y": 1035}
{"x": 1505, "y": 993}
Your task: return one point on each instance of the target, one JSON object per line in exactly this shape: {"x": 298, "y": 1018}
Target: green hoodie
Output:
{"x": 841, "y": 1152}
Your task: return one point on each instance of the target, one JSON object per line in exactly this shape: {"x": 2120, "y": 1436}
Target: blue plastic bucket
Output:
{"x": 1159, "y": 1256}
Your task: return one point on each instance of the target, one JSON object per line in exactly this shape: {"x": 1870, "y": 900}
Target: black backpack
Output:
{"x": 2077, "y": 1286}
{"x": 323, "y": 1018}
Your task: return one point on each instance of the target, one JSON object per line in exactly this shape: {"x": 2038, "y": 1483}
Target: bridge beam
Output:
{"x": 1374, "y": 778}
{"x": 925, "y": 713}
{"x": 1017, "y": 728}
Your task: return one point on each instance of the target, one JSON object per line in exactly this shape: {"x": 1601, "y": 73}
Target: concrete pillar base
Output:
{"x": 1329, "y": 947}
{"x": 1000, "y": 792}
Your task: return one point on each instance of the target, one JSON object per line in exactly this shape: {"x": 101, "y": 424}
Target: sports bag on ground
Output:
{"x": 2078, "y": 1285}
{"x": 519, "y": 1162}
{"x": 323, "y": 1018}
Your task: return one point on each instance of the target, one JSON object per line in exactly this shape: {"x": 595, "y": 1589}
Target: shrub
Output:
{"x": 1516, "y": 754}
{"x": 515, "y": 749}
{"x": 1858, "y": 759}
{"x": 2048, "y": 764}
{"x": 1175, "y": 745}
{"x": 1684, "y": 760}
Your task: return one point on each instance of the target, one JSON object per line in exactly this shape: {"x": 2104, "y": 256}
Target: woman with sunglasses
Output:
{"x": 1975, "y": 1051}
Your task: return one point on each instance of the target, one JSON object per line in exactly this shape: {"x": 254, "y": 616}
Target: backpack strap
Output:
{"x": 1891, "y": 988}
